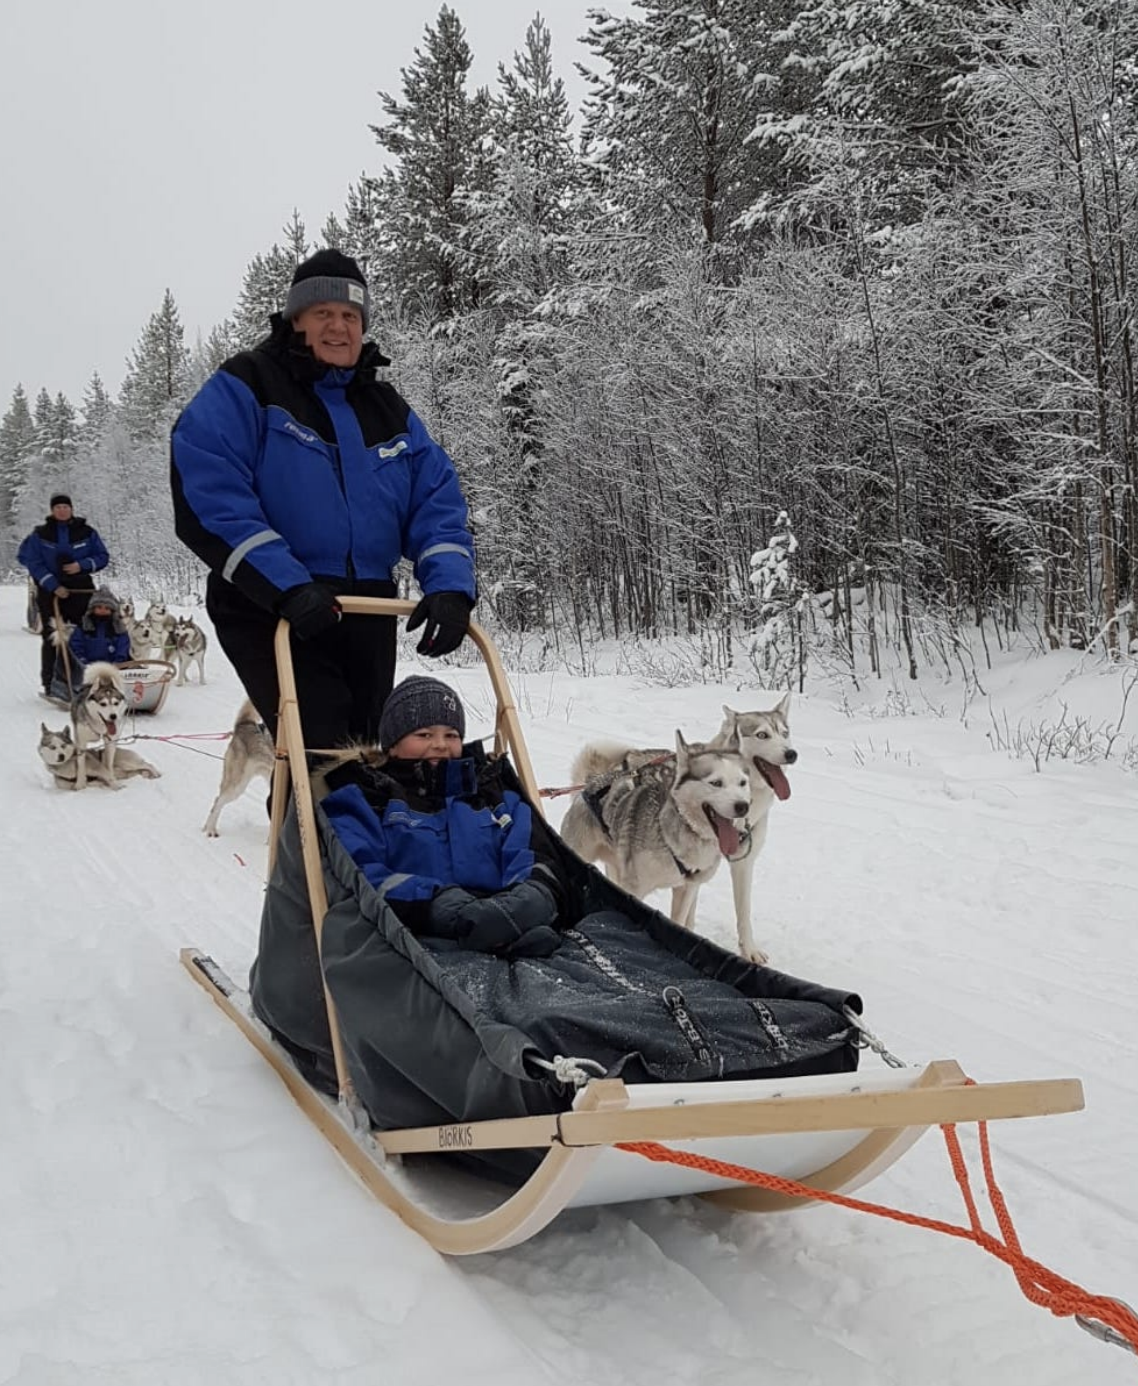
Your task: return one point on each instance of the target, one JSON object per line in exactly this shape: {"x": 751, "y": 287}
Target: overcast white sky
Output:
{"x": 146, "y": 145}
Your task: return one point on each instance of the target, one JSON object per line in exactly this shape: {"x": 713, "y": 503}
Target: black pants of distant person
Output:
{"x": 343, "y": 677}
{"x": 72, "y": 609}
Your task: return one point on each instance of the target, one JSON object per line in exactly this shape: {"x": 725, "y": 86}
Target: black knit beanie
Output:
{"x": 329, "y": 276}
{"x": 60, "y": 498}
{"x": 419, "y": 702}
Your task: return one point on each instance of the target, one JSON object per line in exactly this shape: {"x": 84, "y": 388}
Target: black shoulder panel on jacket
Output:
{"x": 279, "y": 374}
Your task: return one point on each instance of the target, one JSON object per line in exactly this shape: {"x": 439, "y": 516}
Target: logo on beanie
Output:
{"x": 355, "y": 292}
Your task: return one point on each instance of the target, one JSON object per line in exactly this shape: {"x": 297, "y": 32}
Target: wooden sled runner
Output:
{"x": 833, "y": 1131}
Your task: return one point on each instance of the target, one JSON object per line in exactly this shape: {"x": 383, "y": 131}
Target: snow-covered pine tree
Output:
{"x": 96, "y": 408}
{"x": 874, "y": 82}
{"x": 17, "y": 449}
{"x": 221, "y": 343}
{"x": 157, "y": 381}
{"x": 517, "y": 236}
{"x": 61, "y": 441}
{"x": 435, "y": 135}
{"x": 669, "y": 112}
{"x": 266, "y": 284}
{"x": 133, "y": 461}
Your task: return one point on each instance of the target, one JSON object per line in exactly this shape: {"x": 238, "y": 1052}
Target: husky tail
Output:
{"x": 101, "y": 671}
{"x": 596, "y": 759}
{"x": 247, "y": 713}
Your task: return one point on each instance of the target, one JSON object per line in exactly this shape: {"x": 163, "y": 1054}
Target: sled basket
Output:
{"x": 426, "y": 1147}
{"x": 147, "y": 683}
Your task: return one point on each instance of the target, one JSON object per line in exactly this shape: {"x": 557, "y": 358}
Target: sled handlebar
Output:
{"x": 507, "y": 727}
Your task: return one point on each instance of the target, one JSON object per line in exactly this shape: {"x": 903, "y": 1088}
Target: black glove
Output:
{"x": 447, "y": 617}
{"x": 445, "y": 913}
{"x": 535, "y": 943}
{"x": 310, "y": 609}
{"x": 499, "y": 923}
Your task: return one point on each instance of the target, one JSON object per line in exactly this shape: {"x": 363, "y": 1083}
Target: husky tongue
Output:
{"x": 773, "y": 774}
{"x": 728, "y": 835}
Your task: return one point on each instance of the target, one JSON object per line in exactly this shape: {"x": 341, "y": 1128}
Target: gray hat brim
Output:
{"x": 323, "y": 288}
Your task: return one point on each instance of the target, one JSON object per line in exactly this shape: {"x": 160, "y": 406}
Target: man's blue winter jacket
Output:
{"x": 56, "y": 542}
{"x": 284, "y": 471}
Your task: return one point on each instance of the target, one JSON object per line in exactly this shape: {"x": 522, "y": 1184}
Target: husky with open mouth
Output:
{"x": 659, "y": 820}
{"x": 625, "y": 786}
{"x": 98, "y": 709}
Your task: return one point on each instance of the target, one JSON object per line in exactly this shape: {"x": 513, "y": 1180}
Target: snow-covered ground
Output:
{"x": 168, "y": 1217}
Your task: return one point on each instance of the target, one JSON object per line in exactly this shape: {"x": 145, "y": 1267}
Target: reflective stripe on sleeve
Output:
{"x": 266, "y": 536}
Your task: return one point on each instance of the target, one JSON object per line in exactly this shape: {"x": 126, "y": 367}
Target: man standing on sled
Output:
{"x": 61, "y": 555}
{"x": 299, "y": 473}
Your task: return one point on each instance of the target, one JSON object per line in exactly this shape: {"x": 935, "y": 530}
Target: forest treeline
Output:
{"x": 851, "y": 284}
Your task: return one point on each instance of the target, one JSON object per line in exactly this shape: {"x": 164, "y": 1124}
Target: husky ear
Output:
{"x": 783, "y": 705}
{"x": 43, "y": 729}
{"x": 681, "y": 748}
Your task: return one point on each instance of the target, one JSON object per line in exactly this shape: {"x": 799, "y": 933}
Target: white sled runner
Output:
{"x": 831, "y": 1131}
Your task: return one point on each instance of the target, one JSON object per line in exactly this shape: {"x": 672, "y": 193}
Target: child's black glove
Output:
{"x": 517, "y": 921}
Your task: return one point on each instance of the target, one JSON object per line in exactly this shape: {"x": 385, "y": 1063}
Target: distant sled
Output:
{"x": 147, "y": 683}
{"x": 834, "y": 1130}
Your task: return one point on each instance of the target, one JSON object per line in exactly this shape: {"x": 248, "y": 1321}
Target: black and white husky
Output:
{"x": 189, "y": 642}
{"x": 98, "y": 707}
{"x": 658, "y": 820}
{"x": 620, "y": 818}
{"x": 57, "y": 751}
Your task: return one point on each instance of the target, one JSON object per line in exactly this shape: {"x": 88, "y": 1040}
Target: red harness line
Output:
{"x": 1107, "y": 1318}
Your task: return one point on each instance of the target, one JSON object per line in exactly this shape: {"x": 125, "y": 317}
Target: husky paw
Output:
{"x": 756, "y": 955}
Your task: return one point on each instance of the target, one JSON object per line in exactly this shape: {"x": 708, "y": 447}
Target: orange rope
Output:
{"x": 1039, "y": 1284}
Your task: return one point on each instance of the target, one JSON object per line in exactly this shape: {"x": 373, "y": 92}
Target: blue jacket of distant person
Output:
{"x": 285, "y": 470}
{"x": 56, "y": 542}
{"x": 97, "y": 638}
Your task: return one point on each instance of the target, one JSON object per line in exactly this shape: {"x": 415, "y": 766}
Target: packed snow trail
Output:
{"x": 169, "y": 1216}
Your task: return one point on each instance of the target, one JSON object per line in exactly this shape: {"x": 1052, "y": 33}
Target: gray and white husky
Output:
{"x": 659, "y": 820}
{"x": 249, "y": 754}
{"x": 57, "y": 751}
{"x": 189, "y": 642}
{"x": 98, "y": 708}
{"x": 762, "y": 742}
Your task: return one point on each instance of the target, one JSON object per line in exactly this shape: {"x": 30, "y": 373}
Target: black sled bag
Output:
{"x": 433, "y": 1038}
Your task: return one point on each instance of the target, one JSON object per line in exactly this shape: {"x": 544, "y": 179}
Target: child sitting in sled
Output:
{"x": 461, "y": 858}
{"x": 100, "y": 635}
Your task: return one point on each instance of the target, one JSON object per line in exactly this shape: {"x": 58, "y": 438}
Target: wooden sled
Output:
{"x": 147, "y": 683}
{"x": 834, "y": 1132}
